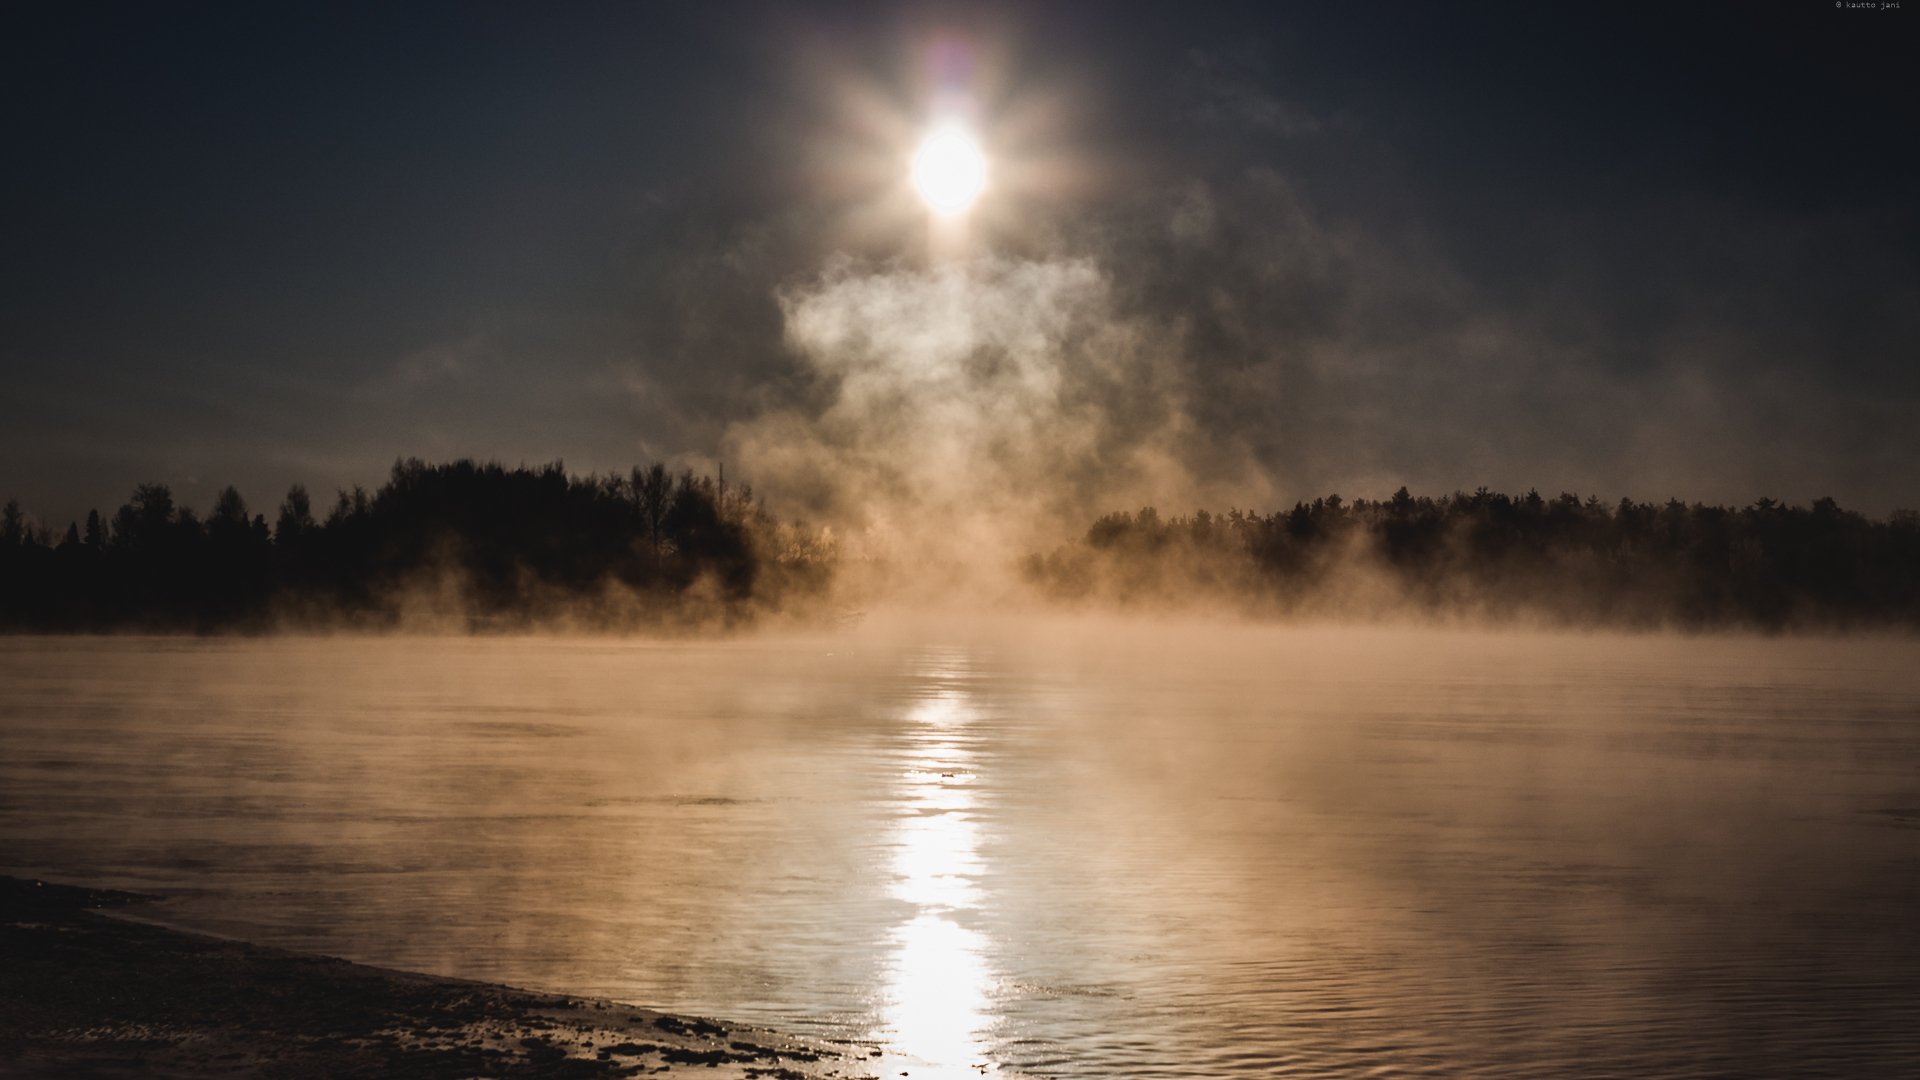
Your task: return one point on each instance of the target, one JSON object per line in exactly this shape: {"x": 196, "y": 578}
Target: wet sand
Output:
{"x": 86, "y": 994}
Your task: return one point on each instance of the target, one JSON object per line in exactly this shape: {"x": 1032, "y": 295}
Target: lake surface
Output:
{"x": 1053, "y": 848}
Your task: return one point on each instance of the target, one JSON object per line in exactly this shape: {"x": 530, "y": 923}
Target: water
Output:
{"x": 1058, "y": 849}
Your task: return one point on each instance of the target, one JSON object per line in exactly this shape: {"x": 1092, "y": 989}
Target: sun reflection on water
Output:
{"x": 938, "y": 980}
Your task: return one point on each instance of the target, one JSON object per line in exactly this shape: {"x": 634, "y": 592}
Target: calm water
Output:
{"x": 1072, "y": 850}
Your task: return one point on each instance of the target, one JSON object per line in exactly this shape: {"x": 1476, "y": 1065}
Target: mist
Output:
{"x": 959, "y": 415}
{"x": 1047, "y": 541}
{"x": 1248, "y": 848}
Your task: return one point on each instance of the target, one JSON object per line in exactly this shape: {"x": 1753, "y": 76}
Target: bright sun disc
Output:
{"x": 949, "y": 170}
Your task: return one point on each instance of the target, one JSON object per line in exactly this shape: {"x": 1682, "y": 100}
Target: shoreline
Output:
{"x": 84, "y": 993}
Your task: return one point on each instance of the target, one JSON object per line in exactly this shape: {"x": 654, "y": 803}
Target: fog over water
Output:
{"x": 1158, "y": 616}
{"x": 1054, "y": 847}
{"x": 967, "y": 412}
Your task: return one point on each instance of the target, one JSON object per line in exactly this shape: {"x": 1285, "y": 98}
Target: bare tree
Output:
{"x": 653, "y": 495}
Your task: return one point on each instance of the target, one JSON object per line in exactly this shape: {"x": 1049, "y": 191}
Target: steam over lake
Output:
{"x": 1058, "y": 849}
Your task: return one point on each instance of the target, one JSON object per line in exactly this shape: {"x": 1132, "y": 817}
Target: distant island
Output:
{"x": 460, "y": 545}
{"x": 1492, "y": 556}
{"x": 470, "y": 546}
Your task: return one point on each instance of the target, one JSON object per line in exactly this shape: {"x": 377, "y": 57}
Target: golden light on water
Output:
{"x": 937, "y": 978}
{"x": 949, "y": 170}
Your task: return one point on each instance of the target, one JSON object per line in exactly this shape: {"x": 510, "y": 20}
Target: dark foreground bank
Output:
{"x": 85, "y": 994}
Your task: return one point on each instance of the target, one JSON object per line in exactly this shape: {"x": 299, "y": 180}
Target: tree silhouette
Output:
{"x": 513, "y": 546}
{"x": 296, "y": 515}
{"x": 1487, "y": 553}
{"x": 652, "y": 496}
{"x": 145, "y": 522}
{"x": 518, "y": 546}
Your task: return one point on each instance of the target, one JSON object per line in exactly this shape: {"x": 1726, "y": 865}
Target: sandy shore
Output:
{"x": 85, "y": 994}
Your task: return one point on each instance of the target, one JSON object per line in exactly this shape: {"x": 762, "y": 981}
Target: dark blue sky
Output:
{"x": 1600, "y": 247}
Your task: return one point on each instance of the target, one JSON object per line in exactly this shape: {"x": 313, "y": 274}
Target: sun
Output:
{"x": 949, "y": 170}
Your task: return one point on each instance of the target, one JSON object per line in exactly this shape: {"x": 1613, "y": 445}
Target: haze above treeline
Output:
{"x": 1342, "y": 246}
{"x": 466, "y": 546}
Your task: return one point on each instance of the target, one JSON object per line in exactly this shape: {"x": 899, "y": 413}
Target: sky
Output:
{"x": 1230, "y": 255}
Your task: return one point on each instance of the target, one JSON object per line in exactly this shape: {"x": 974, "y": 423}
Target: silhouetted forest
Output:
{"x": 481, "y": 546}
{"x": 1563, "y": 560}
{"x": 461, "y": 544}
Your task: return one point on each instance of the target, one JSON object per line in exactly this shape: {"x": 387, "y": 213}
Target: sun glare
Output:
{"x": 949, "y": 171}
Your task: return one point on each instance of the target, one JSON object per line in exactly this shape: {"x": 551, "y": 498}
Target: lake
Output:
{"x": 1050, "y": 847}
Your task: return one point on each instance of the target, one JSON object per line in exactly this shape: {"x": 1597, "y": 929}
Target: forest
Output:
{"x": 456, "y": 546}
{"x": 470, "y": 546}
{"x": 1487, "y": 555}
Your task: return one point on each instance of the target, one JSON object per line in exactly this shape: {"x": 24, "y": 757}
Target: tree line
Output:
{"x": 487, "y": 546}
{"x": 1564, "y": 560}
{"x": 478, "y": 543}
